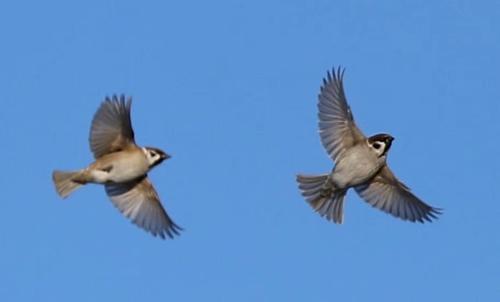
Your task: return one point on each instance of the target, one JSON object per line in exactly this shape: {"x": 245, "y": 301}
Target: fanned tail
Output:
{"x": 65, "y": 183}
{"x": 319, "y": 192}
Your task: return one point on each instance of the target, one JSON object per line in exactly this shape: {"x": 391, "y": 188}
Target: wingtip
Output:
{"x": 336, "y": 74}
{"x": 171, "y": 232}
{"x": 429, "y": 217}
{"x": 435, "y": 213}
{"x": 118, "y": 98}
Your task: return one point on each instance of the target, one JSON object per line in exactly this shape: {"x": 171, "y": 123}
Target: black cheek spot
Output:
{"x": 107, "y": 169}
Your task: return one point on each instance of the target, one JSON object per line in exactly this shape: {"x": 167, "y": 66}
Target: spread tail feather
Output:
{"x": 65, "y": 183}
{"x": 322, "y": 196}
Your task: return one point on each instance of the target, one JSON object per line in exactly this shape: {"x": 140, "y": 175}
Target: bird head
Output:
{"x": 381, "y": 143}
{"x": 155, "y": 156}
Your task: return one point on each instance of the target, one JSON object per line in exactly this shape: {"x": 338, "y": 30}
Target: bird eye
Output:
{"x": 152, "y": 154}
{"x": 376, "y": 145}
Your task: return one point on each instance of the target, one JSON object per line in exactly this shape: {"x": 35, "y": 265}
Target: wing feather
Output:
{"x": 337, "y": 128}
{"x": 388, "y": 194}
{"x": 111, "y": 129}
{"x": 139, "y": 201}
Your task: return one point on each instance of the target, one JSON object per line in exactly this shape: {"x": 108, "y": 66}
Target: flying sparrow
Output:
{"x": 122, "y": 167}
{"x": 360, "y": 163}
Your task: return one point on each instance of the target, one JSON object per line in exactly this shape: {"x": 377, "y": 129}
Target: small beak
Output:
{"x": 165, "y": 156}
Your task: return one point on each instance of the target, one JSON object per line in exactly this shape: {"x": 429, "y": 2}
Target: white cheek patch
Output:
{"x": 381, "y": 148}
{"x": 151, "y": 159}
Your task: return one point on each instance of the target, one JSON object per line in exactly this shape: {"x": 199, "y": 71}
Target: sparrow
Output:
{"x": 122, "y": 167}
{"x": 360, "y": 163}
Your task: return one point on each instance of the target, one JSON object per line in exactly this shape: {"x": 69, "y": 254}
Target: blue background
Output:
{"x": 229, "y": 88}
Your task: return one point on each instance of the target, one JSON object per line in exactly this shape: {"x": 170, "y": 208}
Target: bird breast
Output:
{"x": 120, "y": 166}
{"x": 357, "y": 165}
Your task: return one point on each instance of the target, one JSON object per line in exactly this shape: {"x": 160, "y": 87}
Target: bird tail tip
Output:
{"x": 64, "y": 182}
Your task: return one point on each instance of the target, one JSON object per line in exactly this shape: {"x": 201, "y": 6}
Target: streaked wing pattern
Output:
{"x": 388, "y": 194}
{"x": 139, "y": 201}
{"x": 111, "y": 128}
{"x": 336, "y": 124}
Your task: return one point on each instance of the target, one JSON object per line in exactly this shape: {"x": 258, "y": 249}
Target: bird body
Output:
{"x": 355, "y": 166}
{"x": 122, "y": 167}
{"x": 360, "y": 163}
{"x": 119, "y": 167}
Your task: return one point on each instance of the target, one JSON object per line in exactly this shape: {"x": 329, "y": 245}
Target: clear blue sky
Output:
{"x": 229, "y": 88}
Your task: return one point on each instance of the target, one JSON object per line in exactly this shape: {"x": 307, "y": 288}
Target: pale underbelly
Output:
{"x": 120, "y": 170}
{"x": 354, "y": 172}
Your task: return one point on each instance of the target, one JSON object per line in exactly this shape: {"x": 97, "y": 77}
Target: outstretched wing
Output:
{"x": 111, "y": 128}
{"x": 336, "y": 125}
{"x": 139, "y": 202}
{"x": 388, "y": 194}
